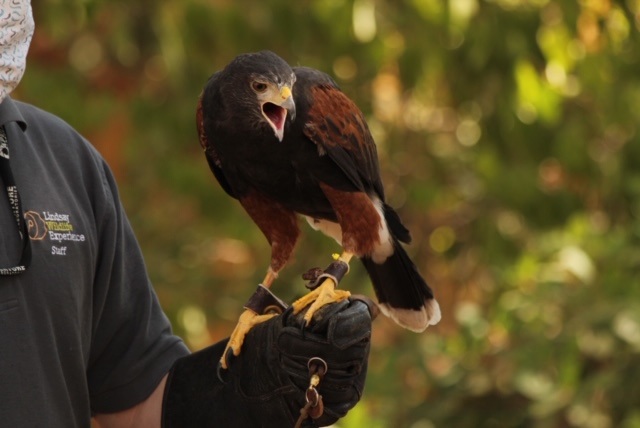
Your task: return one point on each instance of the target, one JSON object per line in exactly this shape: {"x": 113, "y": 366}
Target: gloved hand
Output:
{"x": 265, "y": 385}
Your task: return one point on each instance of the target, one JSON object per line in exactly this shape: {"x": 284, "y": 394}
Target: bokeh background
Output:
{"x": 508, "y": 140}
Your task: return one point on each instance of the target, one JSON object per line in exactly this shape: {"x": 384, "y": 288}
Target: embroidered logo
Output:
{"x": 55, "y": 226}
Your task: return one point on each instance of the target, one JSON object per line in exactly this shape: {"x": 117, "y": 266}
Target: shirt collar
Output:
{"x": 9, "y": 113}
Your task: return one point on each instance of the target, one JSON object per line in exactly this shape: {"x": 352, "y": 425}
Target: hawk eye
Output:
{"x": 259, "y": 86}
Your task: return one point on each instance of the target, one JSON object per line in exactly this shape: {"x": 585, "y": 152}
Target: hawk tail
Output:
{"x": 403, "y": 294}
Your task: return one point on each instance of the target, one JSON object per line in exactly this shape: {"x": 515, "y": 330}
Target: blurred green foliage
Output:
{"x": 508, "y": 137}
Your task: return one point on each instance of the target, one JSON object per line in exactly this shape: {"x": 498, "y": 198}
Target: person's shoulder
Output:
{"x": 47, "y": 130}
{"x": 35, "y": 117}
{"x": 55, "y": 141}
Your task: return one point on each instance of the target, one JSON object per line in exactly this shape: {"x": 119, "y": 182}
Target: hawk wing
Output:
{"x": 338, "y": 129}
{"x": 204, "y": 118}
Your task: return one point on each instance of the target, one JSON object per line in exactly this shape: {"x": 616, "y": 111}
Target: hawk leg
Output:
{"x": 322, "y": 295}
{"x": 280, "y": 227}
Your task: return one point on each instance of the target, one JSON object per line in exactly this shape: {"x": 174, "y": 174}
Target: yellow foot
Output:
{"x": 324, "y": 294}
{"x": 247, "y": 321}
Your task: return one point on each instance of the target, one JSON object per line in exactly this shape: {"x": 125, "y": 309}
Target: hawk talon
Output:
{"x": 220, "y": 370}
{"x": 248, "y": 319}
{"x": 303, "y": 326}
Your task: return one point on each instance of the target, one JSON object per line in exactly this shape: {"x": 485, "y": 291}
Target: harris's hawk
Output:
{"x": 286, "y": 142}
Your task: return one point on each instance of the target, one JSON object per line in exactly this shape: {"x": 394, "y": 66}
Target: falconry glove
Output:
{"x": 265, "y": 385}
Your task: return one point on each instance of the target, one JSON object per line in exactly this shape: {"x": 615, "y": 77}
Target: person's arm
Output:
{"x": 143, "y": 415}
{"x": 132, "y": 345}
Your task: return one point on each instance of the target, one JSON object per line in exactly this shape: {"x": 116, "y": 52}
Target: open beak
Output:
{"x": 288, "y": 104}
{"x": 276, "y": 109}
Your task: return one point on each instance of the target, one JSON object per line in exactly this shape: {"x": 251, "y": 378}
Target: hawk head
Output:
{"x": 258, "y": 86}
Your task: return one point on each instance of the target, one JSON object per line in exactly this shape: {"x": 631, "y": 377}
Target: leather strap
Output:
{"x": 263, "y": 301}
{"x": 336, "y": 271}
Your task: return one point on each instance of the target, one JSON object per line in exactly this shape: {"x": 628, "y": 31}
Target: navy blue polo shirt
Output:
{"x": 81, "y": 331}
